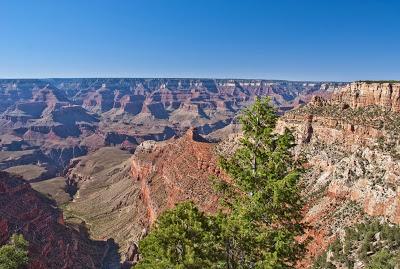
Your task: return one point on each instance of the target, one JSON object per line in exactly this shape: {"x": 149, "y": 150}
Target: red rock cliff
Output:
{"x": 51, "y": 243}
{"x": 176, "y": 170}
{"x": 362, "y": 94}
{"x": 351, "y": 144}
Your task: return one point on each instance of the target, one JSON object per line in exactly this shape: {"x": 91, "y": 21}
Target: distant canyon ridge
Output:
{"x": 44, "y": 123}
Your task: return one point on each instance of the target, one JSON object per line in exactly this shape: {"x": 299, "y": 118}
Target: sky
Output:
{"x": 335, "y": 40}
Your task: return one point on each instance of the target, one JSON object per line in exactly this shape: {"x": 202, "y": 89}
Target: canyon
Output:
{"x": 48, "y": 122}
{"x": 124, "y": 169}
{"x": 121, "y": 199}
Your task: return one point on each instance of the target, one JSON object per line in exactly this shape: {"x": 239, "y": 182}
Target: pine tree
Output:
{"x": 15, "y": 254}
{"x": 264, "y": 198}
{"x": 182, "y": 237}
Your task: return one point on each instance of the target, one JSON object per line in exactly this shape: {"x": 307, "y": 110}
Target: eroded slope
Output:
{"x": 351, "y": 145}
{"x": 52, "y": 244}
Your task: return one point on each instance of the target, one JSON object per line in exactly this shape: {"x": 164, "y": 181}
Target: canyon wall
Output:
{"x": 363, "y": 94}
{"x": 52, "y": 244}
{"x": 120, "y": 196}
{"x": 177, "y": 170}
{"x": 351, "y": 144}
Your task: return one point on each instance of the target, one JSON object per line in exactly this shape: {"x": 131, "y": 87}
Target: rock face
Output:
{"x": 352, "y": 146}
{"x": 175, "y": 171}
{"x": 120, "y": 195}
{"x": 107, "y": 197}
{"x": 52, "y": 244}
{"x": 363, "y": 94}
{"x": 68, "y": 118}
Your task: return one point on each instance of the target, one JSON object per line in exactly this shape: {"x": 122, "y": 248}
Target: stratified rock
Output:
{"x": 363, "y": 94}
{"x": 177, "y": 170}
{"x": 106, "y": 197}
{"x": 51, "y": 243}
{"x": 120, "y": 196}
{"x": 352, "y": 146}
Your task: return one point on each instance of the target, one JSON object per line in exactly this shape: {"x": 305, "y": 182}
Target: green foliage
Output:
{"x": 322, "y": 263}
{"x": 382, "y": 260}
{"x": 182, "y": 238}
{"x": 265, "y": 214}
{"x": 15, "y": 254}
{"x": 376, "y": 245}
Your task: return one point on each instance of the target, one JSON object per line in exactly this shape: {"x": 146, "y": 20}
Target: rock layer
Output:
{"x": 174, "y": 171}
{"x": 352, "y": 147}
{"x": 120, "y": 196}
{"x": 52, "y": 244}
{"x": 362, "y": 94}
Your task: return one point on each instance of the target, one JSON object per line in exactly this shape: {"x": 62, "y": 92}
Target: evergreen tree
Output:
{"x": 15, "y": 254}
{"x": 264, "y": 198}
{"x": 181, "y": 238}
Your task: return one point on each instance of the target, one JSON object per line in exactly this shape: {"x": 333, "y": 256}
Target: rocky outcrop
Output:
{"x": 363, "y": 94}
{"x": 176, "y": 170}
{"x": 52, "y": 244}
{"x": 352, "y": 148}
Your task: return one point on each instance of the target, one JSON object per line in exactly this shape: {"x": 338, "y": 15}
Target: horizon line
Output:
{"x": 180, "y": 78}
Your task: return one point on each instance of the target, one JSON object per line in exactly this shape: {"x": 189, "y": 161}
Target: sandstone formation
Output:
{"x": 349, "y": 136}
{"x": 177, "y": 170}
{"x": 52, "y": 244}
{"x": 352, "y": 147}
{"x": 363, "y": 94}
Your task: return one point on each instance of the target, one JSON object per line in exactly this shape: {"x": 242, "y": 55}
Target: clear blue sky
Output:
{"x": 271, "y": 39}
